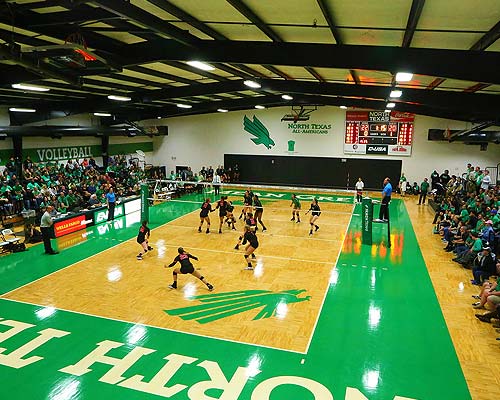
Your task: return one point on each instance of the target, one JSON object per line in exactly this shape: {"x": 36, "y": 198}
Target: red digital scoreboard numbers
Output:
{"x": 405, "y": 134}
{"x": 351, "y": 132}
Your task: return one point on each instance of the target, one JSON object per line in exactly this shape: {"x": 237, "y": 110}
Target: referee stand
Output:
{"x": 368, "y": 221}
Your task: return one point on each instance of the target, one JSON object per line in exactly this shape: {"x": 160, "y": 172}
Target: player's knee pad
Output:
{"x": 175, "y": 273}
{"x": 201, "y": 278}
{"x": 246, "y": 256}
{"x": 241, "y": 237}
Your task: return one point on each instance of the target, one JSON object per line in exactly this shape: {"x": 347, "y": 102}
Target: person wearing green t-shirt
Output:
{"x": 62, "y": 206}
{"x": 424, "y": 188}
{"x": 464, "y": 215}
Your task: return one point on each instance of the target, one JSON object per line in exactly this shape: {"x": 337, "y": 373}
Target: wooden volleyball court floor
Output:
{"x": 320, "y": 317}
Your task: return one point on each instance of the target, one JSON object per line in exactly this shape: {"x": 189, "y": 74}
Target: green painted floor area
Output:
{"x": 380, "y": 334}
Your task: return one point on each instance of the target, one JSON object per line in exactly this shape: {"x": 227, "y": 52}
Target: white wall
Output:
{"x": 203, "y": 140}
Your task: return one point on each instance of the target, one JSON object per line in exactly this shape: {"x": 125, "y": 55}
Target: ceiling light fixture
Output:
{"x": 404, "y": 76}
{"x": 222, "y": 110}
{"x": 15, "y": 109}
{"x": 200, "y": 65}
{"x": 252, "y": 84}
{"x": 180, "y": 105}
{"x": 102, "y": 114}
{"x": 396, "y": 93}
{"x": 259, "y": 107}
{"x": 158, "y": 117}
{"x": 119, "y": 98}
{"x": 391, "y": 105}
{"x": 23, "y": 86}
{"x": 286, "y": 97}
{"x": 343, "y": 107}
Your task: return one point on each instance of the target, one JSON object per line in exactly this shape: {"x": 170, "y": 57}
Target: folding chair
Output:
{"x": 10, "y": 240}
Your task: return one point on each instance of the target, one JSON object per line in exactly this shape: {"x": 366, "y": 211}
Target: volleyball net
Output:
{"x": 186, "y": 196}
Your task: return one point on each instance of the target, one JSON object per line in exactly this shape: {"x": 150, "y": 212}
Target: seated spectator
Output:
{"x": 485, "y": 268}
{"x": 490, "y": 293}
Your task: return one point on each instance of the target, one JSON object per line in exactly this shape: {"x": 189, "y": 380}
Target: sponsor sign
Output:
{"x": 102, "y": 215}
{"x": 355, "y": 148}
{"x": 376, "y": 149}
{"x": 356, "y": 116}
{"x": 399, "y": 150}
{"x": 398, "y": 116}
{"x": 70, "y": 225}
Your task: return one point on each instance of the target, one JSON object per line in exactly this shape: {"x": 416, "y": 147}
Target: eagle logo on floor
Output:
{"x": 222, "y": 305}
{"x": 257, "y": 129}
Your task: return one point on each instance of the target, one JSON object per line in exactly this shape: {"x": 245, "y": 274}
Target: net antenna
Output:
{"x": 299, "y": 113}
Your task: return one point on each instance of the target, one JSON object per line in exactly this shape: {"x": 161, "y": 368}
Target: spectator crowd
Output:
{"x": 467, "y": 217}
{"x": 68, "y": 187}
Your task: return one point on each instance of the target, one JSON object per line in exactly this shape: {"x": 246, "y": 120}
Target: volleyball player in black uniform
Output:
{"x": 222, "y": 206}
{"x": 186, "y": 268}
{"x": 258, "y": 211}
{"x": 253, "y": 243}
{"x": 247, "y": 203}
{"x": 142, "y": 239}
{"x": 251, "y": 223}
{"x": 316, "y": 212}
{"x": 206, "y": 207}
{"x": 230, "y": 217}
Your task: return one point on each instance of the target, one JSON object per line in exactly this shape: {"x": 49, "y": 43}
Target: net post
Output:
{"x": 144, "y": 202}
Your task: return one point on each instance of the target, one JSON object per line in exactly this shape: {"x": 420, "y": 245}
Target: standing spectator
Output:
{"x": 403, "y": 184}
{"x": 424, "y": 188}
{"x": 434, "y": 179}
{"x": 486, "y": 181}
{"x": 445, "y": 177}
{"x": 45, "y": 226}
{"x": 216, "y": 184}
{"x": 111, "y": 200}
{"x": 360, "y": 185}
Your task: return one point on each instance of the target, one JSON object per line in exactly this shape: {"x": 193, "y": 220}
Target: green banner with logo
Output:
{"x": 144, "y": 202}
{"x": 366, "y": 220}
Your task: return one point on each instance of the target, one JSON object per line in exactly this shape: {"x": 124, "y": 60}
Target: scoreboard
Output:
{"x": 377, "y": 132}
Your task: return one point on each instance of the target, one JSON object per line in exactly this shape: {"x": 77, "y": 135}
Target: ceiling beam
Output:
{"x": 255, "y": 19}
{"x": 271, "y": 34}
{"x": 328, "y": 14}
{"x": 435, "y": 83}
{"x": 455, "y": 64}
{"x": 488, "y": 39}
{"x": 476, "y": 87}
{"x": 131, "y": 12}
{"x": 186, "y": 17}
{"x": 416, "y": 10}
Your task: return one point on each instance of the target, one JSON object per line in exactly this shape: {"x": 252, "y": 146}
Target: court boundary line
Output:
{"x": 156, "y": 327}
{"x": 86, "y": 258}
{"x": 328, "y": 285}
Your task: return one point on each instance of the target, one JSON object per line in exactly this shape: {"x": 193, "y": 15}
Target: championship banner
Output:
{"x": 379, "y": 133}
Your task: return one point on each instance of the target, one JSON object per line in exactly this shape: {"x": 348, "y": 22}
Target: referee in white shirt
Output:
{"x": 46, "y": 228}
{"x": 216, "y": 183}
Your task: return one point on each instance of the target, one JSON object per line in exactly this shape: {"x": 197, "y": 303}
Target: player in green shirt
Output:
{"x": 296, "y": 208}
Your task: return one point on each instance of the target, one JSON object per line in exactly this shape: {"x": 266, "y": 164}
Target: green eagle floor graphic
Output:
{"x": 223, "y": 305}
{"x": 380, "y": 334}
